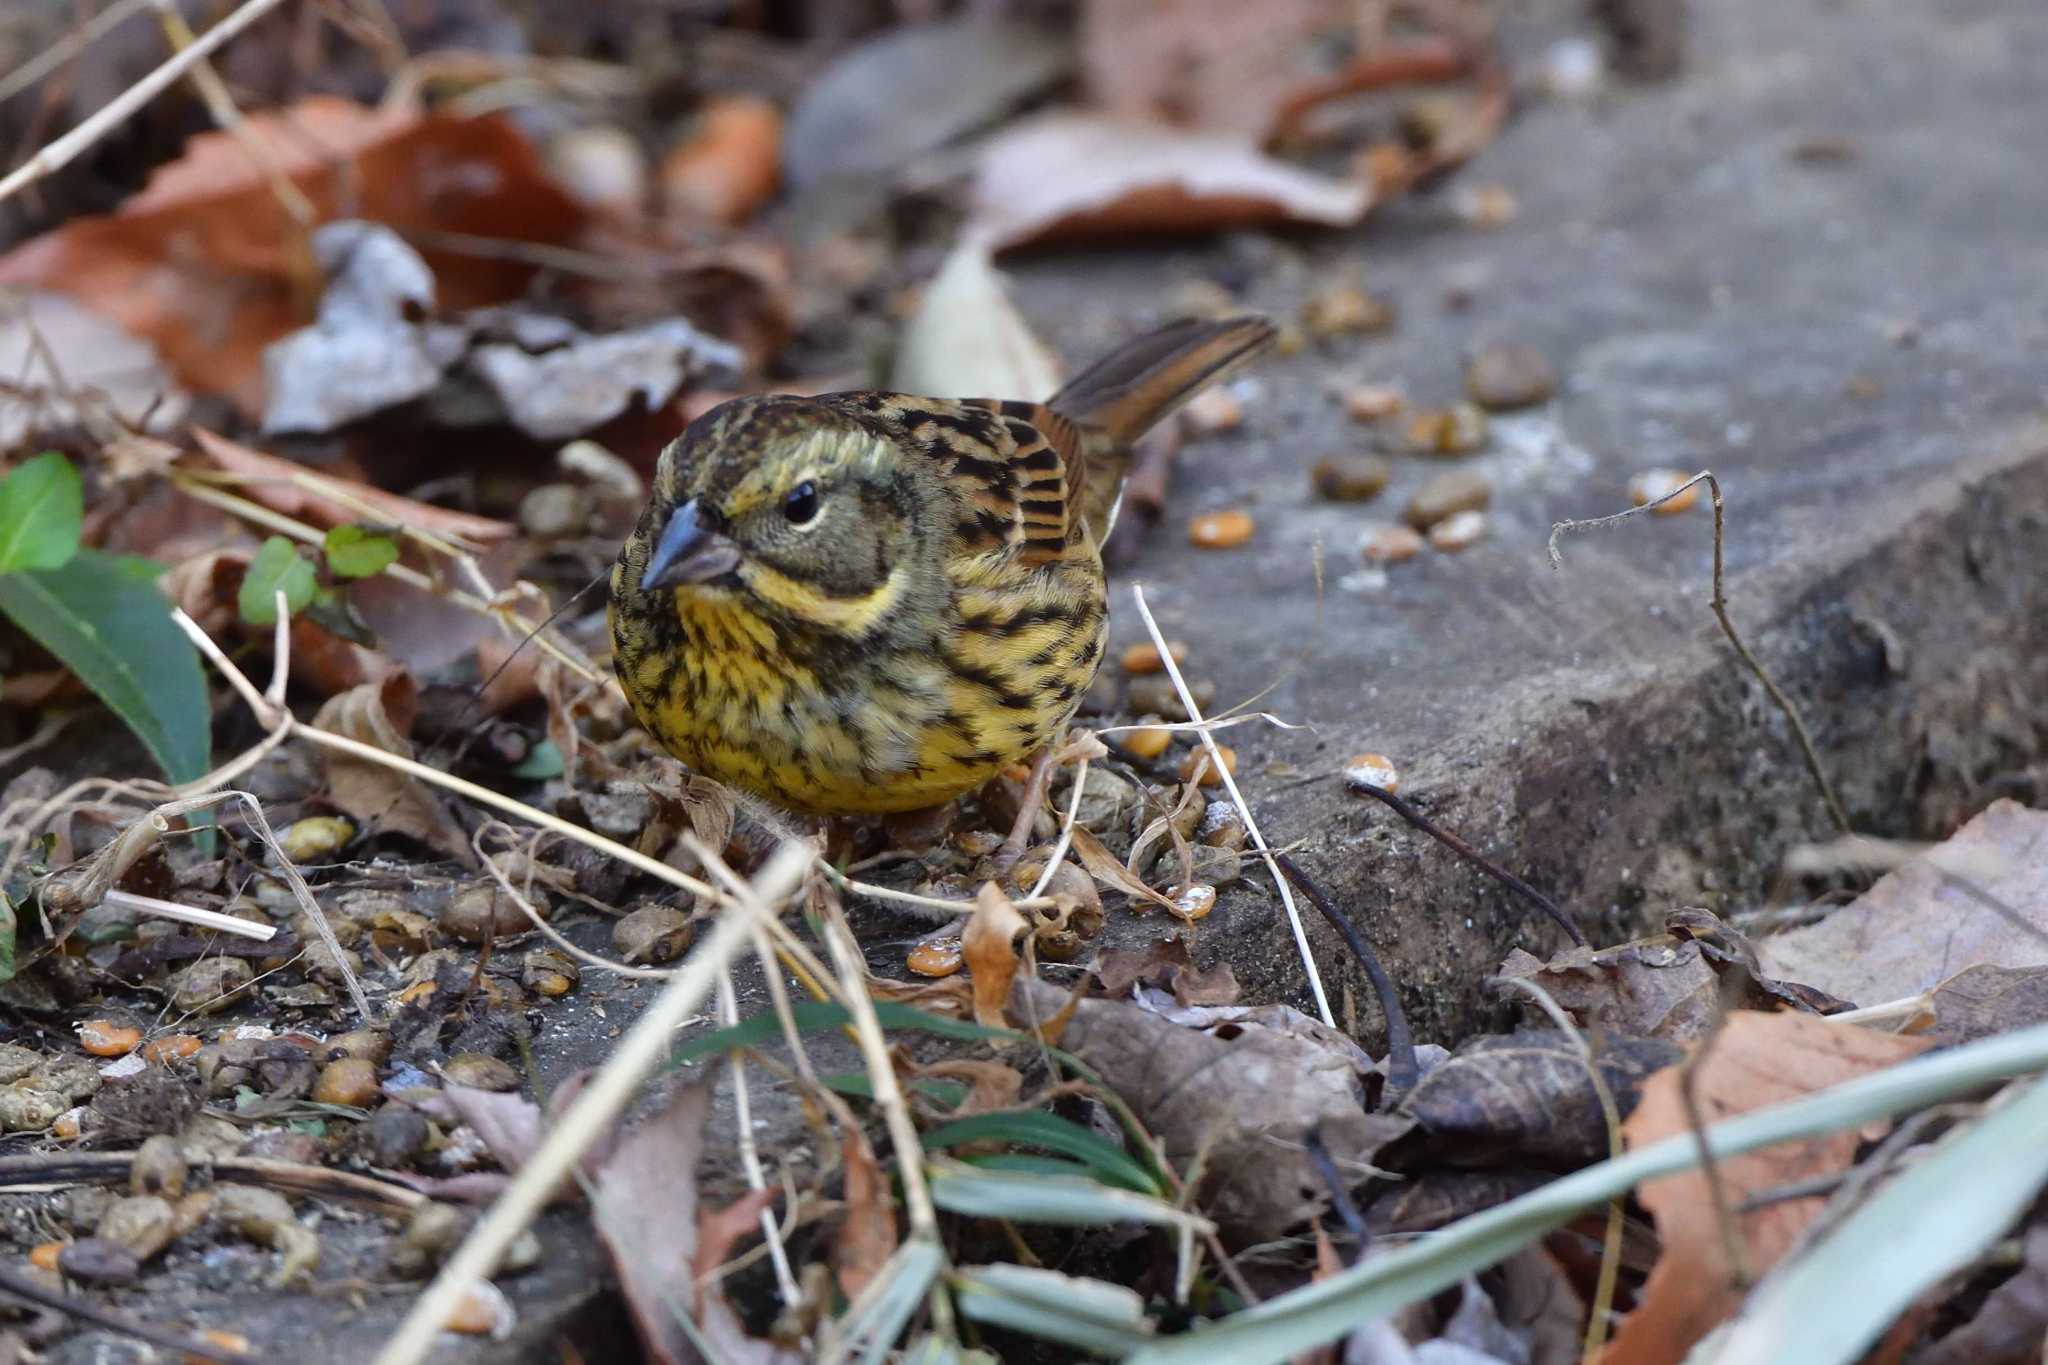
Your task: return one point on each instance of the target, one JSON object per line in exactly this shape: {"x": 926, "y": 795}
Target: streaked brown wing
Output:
{"x": 1012, "y": 462}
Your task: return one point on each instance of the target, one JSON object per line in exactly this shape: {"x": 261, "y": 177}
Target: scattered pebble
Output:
{"x": 1458, "y": 531}
{"x": 397, "y": 1133}
{"x": 1458, "y": 429}
{"x": 105, "y": 1038}
{"x": 1371, "y": 402}
{"x": 549, "y": 972}
{"x": 1201, "y": 299}
{"x": 1350, "y": 477}
{"x": 158, "y": 1167}
{"x": 1487, "y": 206}
{"x": 315, "y": 838}
{"x": 433, "y": 1231}
{"x": 1224, "y": 530}
{"x": 1144, "y": 657}
{"x": 1222, "y": 826}
{"x": 483, "y": 1312}
{"x": 209, "y": 985}
{"x": 1214, "y": 409}
{"x": 1508, "y": 374}
{"x": 121, "y": 1068}
{"x": 141, "y": 1224}
{"x": 1107, "y": 801}
{"x": 1345, "y": 309}
{"x": 482, "y": 910}
{"x": 349, "y": 1080}
{"x": 936, "y": 957}
{"x": 1147, "y": 742}
{"x": 1155, "y": 696}
{"x": 480, "y": 1072}
{"x": 69, "y": 1126}
{"x": 371, "y": 1044}
{"x": 1372, "y": 770}
{"x": 1389, "y": 544}
{"x": 1460, "y": 490}
{"x": 554, "y": 511}
{"x": 1652, "y": 484}
{"x": 1193, "y": 902}
{"x": 652, "y": 934}
{"x": 1200, "y": 769}
{"x": 172, "y": 1047}
{"x": 95, "y": 1260}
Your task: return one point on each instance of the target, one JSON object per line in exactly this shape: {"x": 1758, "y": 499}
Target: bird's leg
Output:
{"x": 1035, "y": 788}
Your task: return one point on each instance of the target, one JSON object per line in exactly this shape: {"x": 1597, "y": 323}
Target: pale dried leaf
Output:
{"x": 381, "y": 798}
{"x": 967, "y": 339}
{"x": 989, "y": 945}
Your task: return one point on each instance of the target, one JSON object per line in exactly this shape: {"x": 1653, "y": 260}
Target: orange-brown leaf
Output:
{"x": 989, "y": 943}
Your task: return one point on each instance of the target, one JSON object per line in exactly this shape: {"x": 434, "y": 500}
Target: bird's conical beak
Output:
{"x": 688, "y": 551}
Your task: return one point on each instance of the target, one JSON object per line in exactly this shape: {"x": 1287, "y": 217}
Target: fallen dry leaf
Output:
{"x": 1103, "y": 866}
{"x": 210, "y": 267}
{"x": 867, "y": 1232}
{"x": 989, "y": 945}
{"x": 1068, "y": 176}
{"x": 291, "y": 489}
{"x": 1658, "y": 989}
{"x": 60, "y": 362}
{"x": 1192, "y": 1088}
{"x": 967, "y": 339}
{"x": 1166, "y": 965}
{"x": 1923, "y": 923}
{"x": 1757, "y": 1060}
{"x": 991, "y": 1085}
{"x": 1527, "y": 1097}
{"x": 383, "y": 799}
{"x": 727, "y": 163}
{"x": 1978, "y": 1002}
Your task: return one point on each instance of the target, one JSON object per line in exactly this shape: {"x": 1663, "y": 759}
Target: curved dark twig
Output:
{"x": 1339, "y": 1189}
{"x": 1475, "y": 857}
{"x": 33, "y": 1291}
{"x": 1403, "y": 1071}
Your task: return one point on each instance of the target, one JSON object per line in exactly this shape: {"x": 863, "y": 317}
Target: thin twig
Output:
{"x": 188, "y": 914}
{"x": 35, "y": 1291}
{"x": 1403, "y": 1070}
{"x": 1720, "y": 607}
{"x": 1251, "y": 824}
{"x": 68, "y": 47}
{"x": 61, "y": 152}
{"x": 750, "y": 1150}
{"x": 1334, "y": 1185}
{"x": 1473, "y": 856}
{"x": 1610, "y": 1114}
{"x": 213, "y": 92}
{"x": 598, "y": 1104}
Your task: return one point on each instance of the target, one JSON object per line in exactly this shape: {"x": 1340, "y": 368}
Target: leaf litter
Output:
{"x": 450, "y": 281}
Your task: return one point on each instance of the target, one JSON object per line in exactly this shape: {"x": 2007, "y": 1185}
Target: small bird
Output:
{"x": 863, "y": 603}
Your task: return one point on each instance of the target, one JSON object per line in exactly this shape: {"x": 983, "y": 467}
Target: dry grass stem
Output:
{"x": 750, "y": 1151}
{"x": 1251, "y": 824}
{"x": 594, "y": 1109}
{"x": 65, "y": 149}
{"x": 205, "y": 919}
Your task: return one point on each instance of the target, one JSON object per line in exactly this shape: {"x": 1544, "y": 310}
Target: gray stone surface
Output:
{"x": 1707, "y": 298}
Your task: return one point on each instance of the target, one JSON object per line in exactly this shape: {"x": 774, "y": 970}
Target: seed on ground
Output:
{"x": 1652, "y": 484}
{"x": 1389, "y": 544}
{"x": 1458, "y": 429}
{"x": 1224, "y": 530}
{"x": 479, "y": 1071}
{"x": 1147, "y": 742}
{"x": 350, "y": 1080}
{"x": 1372, "y": 770}
{"x": 1350, "y": 477}
{"x": 482, "y": 1311}
{"x": 1200, "y": 769}
{"x": 105, "y": 1038}
{"x": 1460, "y": 490}
{"x": 44, "y": 1255}
{"x": 1370, "y": 402}
{"x": 1144, "y": 657}
{"x": 1215, "y": 409}
{"x": 1508, "y": 374}
{"x": 1193, "y": 901}
{"x": 1343, "y": 310}
{"x": 173, "y": 1047}
{"x": 936, "y": 957}
{"x": 1458, "y": 531}
{"x": 69, "y": 1125}
{"x": 1487, "y": 206}
{"x": 316, "y": 837}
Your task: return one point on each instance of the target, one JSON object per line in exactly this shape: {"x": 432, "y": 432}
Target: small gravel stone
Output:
{"x": 481, "y": 910}
{"x": 1144, "y": 656}
{"x": 1459, "y": 429}
{"x": 652, "y": 934}
{"x": 397, "y": 1133}
{"x": 1351, "y": 477}
{"x": 350, "y": 1080}
{"x": 1458, "y": 531}
{"x": 23, "y": 1110}
{"x": 143, "y": 1224}
{"x": 1389, "y": 544}
{"x": 1345, "y": 310}
{"x": 1217, "y": 866}
{"x": 96, "y": 1260}
{"x": 1222, "y": 826}
{"x": 1154, "y": 696}
{"x": 555, "y": 510}
{"x": 210, "y": 985}
{"x": 1199, "y": 768}
{"x": 1107, "y": 801}
{"x": 1371, "y": 402}
{"x": 158, "y": 1167}
{"x": 480, "y": 1072}
{"x": 316, "y": 838}
{"x": 1458, "y": 490}
{"x": 1503, "y": 375}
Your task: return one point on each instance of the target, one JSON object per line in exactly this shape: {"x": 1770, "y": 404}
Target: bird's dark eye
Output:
{"x": 801, "y": 506}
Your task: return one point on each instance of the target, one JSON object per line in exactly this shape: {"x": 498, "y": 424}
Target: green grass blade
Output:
{"x": 1093, "y": 1315}
{"x": 1929, "y": 1221}
{"x": 115, "y": 632}
{"x": 1280, "y": 1327}
{"x": 1029, "y": 1198}
{"x": 1035, "y": 1128}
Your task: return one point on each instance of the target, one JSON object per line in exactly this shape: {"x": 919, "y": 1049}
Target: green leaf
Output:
{"x": 8, "y": 925}
{"x": 115, "y": 632}
{"x": 1027, "y": 1197}
{"x": 355, "y": 551}
{"x": 1094, "y": 1315}
{"x": 41, "y": 508}
{"x": 277, "y": 565}
{"x": 1035, "y": 1128}
{"x": 542, "y": 762}
{"x": 813, "y": 1016}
